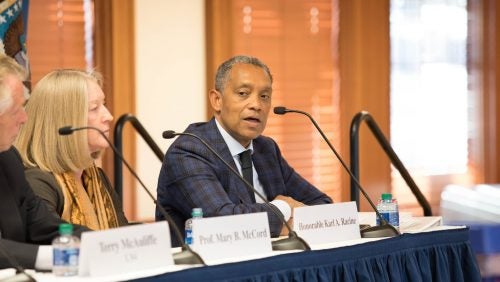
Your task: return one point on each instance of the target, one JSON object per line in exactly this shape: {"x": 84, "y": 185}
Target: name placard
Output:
{"x": 125, "y": 249}
{"x": 231, "y": 236}
{"x": 327, "y": 223}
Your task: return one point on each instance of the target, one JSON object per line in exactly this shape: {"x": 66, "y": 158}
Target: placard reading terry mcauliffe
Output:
{"x": 323, "y": 224}
{"x": 125, "y": 249}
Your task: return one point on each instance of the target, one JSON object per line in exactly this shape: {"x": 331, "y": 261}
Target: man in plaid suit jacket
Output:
{"x": 191, "y": 176}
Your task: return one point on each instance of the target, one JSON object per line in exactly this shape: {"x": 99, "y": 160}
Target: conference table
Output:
{"x": 443, "y": 255}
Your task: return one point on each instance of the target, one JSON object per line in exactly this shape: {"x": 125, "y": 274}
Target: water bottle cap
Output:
{"x": 386, "y": 196}
{"x": 65, "y": 228}
{"x": 197, "y": 212}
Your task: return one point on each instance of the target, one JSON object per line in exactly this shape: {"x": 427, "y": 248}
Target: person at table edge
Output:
{"x": 27, "y": 227}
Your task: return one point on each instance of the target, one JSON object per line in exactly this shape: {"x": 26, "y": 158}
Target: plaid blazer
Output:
{"x": 191, "y": 176}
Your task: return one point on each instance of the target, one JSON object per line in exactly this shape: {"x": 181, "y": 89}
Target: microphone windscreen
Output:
{"x": 66, "y": 130}
{"x": 279, "y": 110}
{"x": 168, "y": 134}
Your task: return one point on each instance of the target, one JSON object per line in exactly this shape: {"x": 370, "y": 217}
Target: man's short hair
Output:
{"x": 8, "y": 66}
{"x": 225, "y": 69}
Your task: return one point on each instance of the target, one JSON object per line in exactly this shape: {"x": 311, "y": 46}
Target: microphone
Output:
{"x": 382, "y": 230}
{"x": 67, "y": 130}
{"x": 293, "y": 242}
{"x": 21, "y": 274}
{"x": 186, "y": 255}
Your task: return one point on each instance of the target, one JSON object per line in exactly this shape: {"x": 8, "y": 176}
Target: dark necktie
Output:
{"x": 246, "y": 170}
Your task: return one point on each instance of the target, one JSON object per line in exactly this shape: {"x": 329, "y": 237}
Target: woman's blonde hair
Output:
{"x": 59, "y": 99}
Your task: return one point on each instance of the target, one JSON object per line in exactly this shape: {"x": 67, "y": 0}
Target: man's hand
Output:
{"x": 293, "y": 204}
{"x": 290, "y": 201}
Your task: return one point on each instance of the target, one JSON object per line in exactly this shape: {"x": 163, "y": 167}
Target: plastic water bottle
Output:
{"x": 388, "y": 208}
{"x": 195, "y": 214}
{"x": 66, "y": 252}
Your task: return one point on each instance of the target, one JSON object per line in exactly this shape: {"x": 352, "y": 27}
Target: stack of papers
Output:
{"x": 407, "y": 222}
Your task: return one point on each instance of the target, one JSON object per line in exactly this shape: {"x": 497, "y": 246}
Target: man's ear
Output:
{"x": 215, "y": 100}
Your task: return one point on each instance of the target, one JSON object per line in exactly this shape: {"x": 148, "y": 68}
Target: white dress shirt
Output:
{"x": 236, "y": 148}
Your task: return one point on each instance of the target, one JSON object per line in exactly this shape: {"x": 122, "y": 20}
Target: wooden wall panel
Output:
{"x": 115, "y": 55}
{"x": 488, "y": 11}
{"x": 364, "y": 85}
{"x": 219, "y": 40}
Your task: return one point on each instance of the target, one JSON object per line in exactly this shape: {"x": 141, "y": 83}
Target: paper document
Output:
{"x": 407, "y": 222}
{"x": 419, "y": 224}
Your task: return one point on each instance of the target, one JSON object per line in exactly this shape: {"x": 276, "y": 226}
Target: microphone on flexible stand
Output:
{"x": 186, "y": 255}
{"x": 384, "y": 229}
{"x": 21, "y": 274}
{"x": 293, "y": 242}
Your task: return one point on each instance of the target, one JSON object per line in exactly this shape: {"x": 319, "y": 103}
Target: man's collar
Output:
{"x": 234, "y": 146}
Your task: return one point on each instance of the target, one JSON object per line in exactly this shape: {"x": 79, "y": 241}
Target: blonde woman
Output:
{"x": 61, "y": 169}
